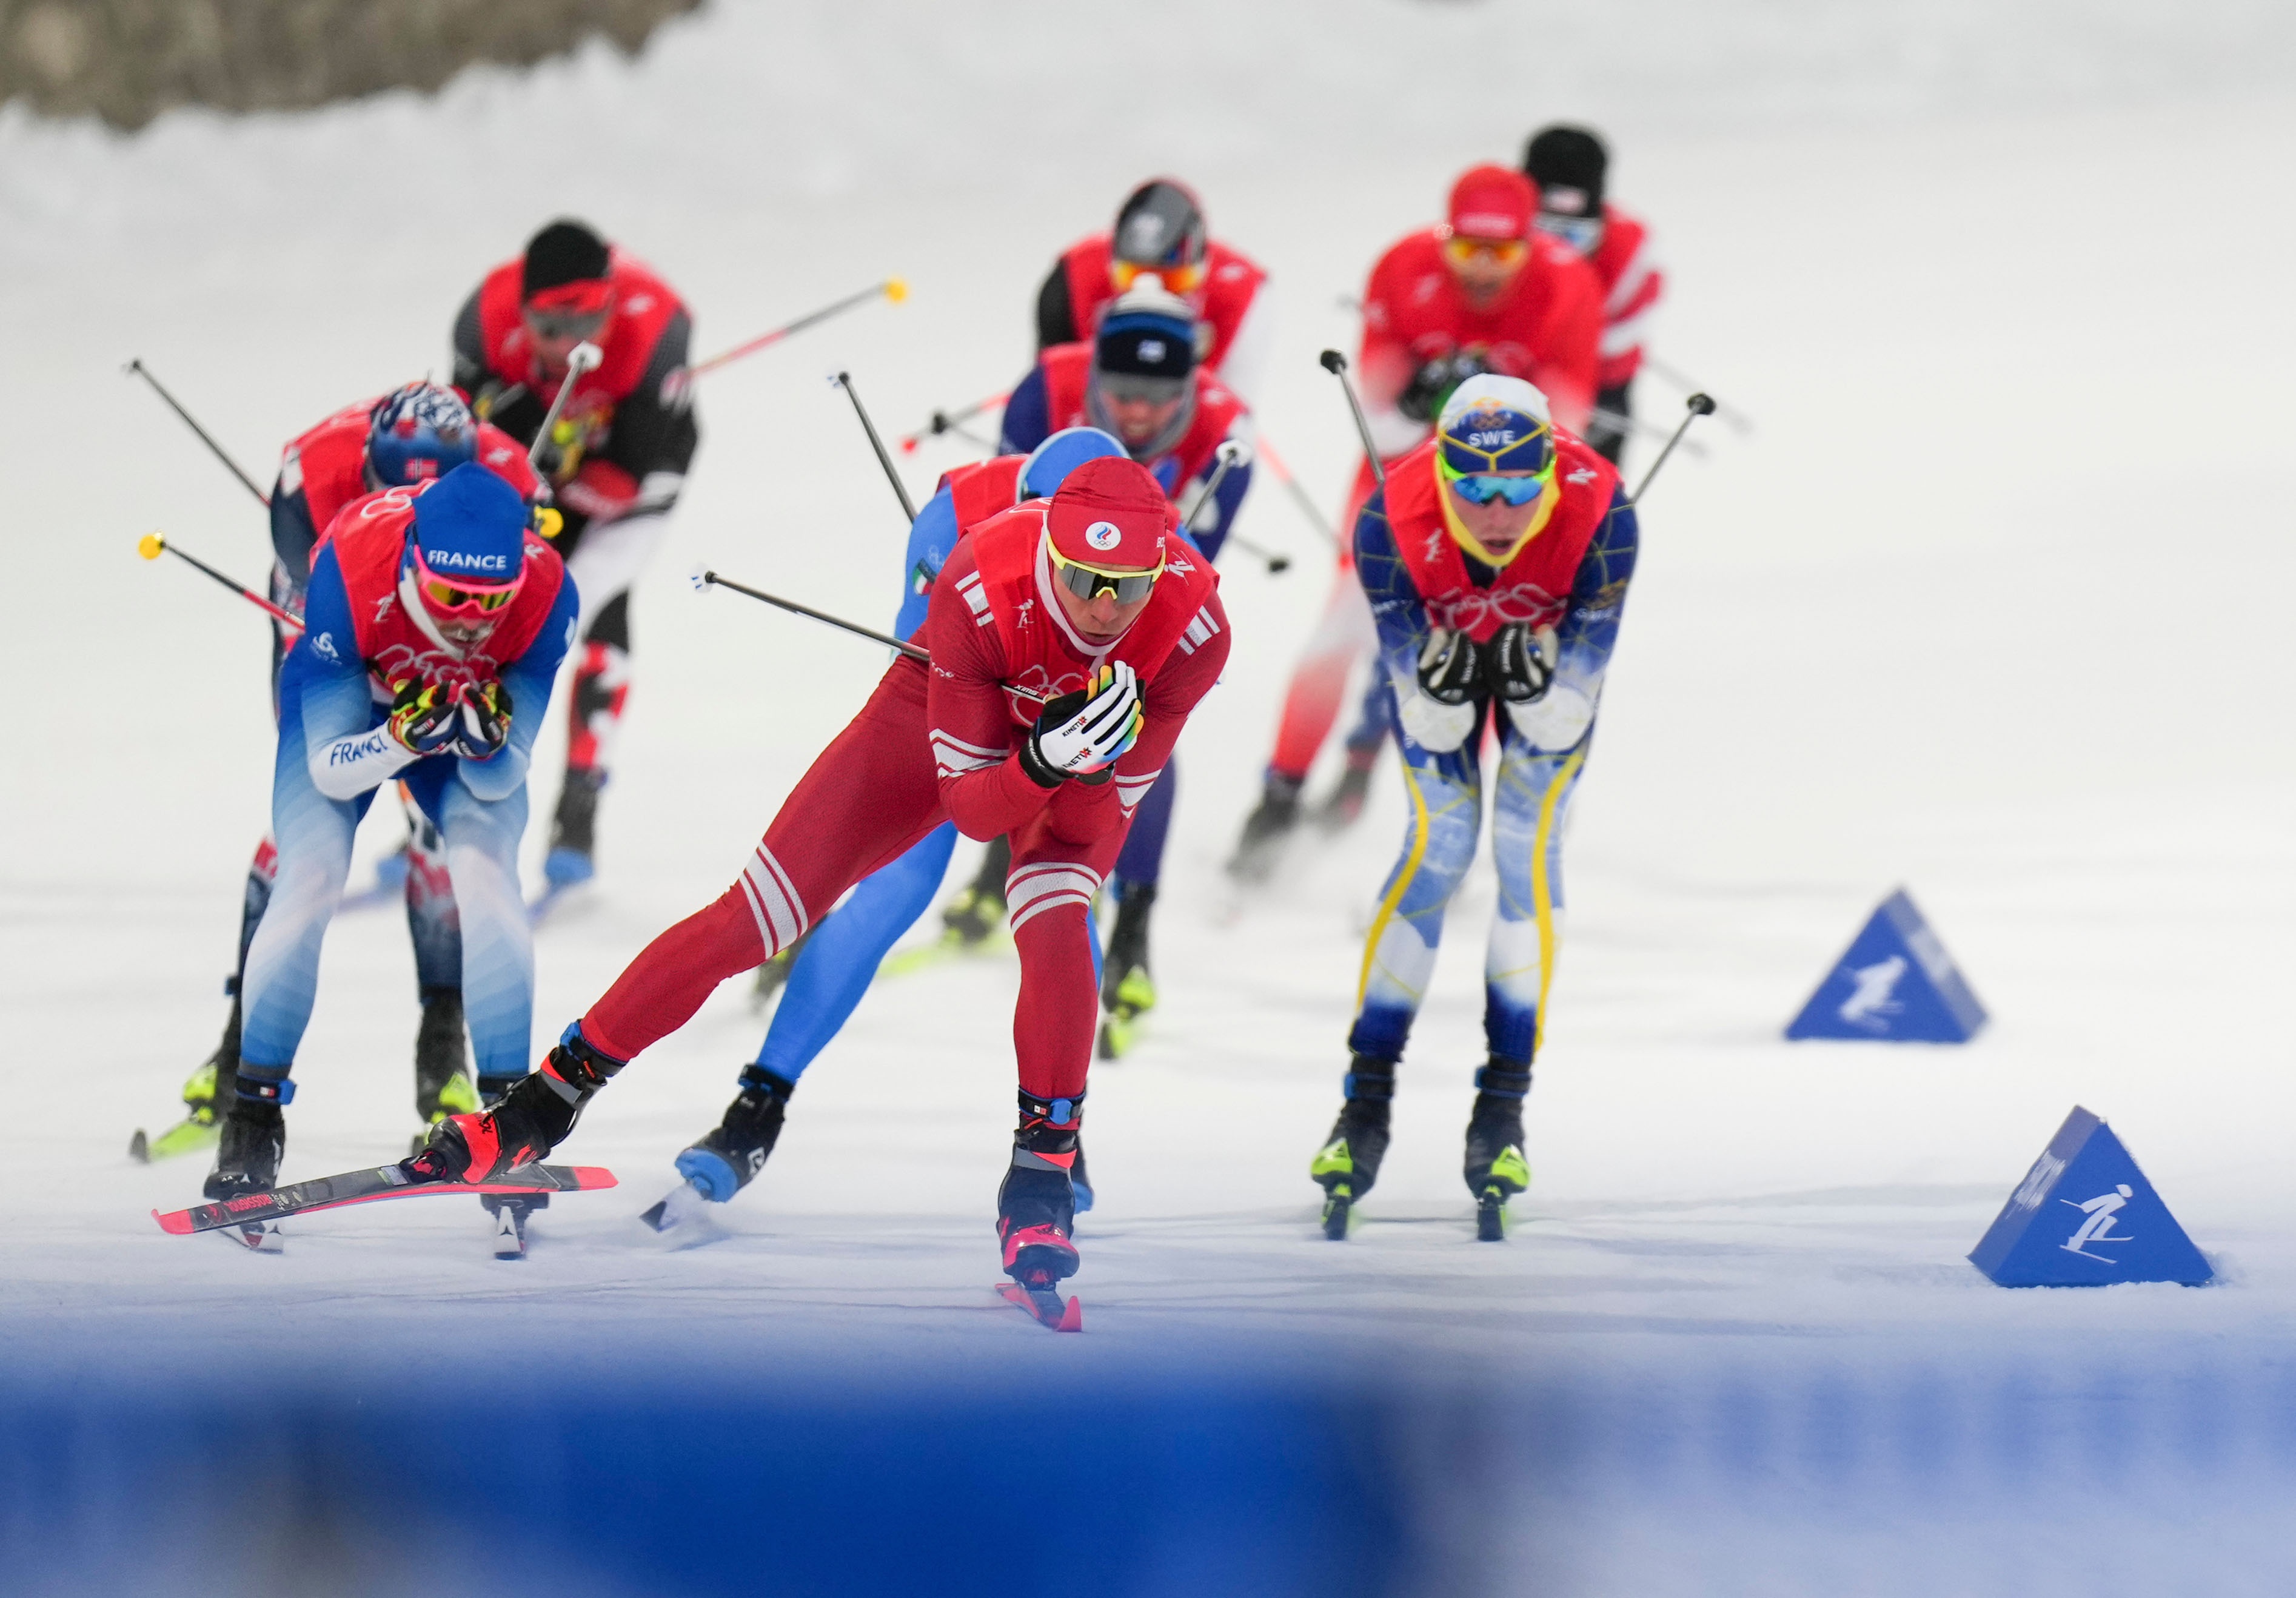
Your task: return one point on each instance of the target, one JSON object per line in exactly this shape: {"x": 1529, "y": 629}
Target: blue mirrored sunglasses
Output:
{"x": 1481, "y": 488}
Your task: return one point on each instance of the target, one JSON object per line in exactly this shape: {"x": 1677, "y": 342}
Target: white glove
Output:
{"x": 1082, "y": 732}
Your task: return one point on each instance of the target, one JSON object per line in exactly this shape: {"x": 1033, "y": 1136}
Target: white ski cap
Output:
{"x": 1489, "y": 391}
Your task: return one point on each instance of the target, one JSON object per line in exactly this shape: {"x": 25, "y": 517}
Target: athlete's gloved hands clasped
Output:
{"x": 1084, "y": 733}
{"x": 424, "y": 718}
{"x": 1452, "y": 685}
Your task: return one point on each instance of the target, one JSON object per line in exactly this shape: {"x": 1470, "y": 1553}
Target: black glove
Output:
{"x": 1516, "y": 665}
{"x": 1450, "y": 667}
{"x": 1422, "y": 399}
{"x": 483, "y": 722}
{"x": 423, "y": 717}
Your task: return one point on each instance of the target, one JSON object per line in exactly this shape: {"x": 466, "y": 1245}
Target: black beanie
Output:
{"x": 1564, "y": 159}
{"x": 565, "y": 251}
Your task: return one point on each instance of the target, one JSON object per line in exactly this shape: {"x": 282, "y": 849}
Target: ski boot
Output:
{"x": 1127, "y": 990}
{"x": 1495, "y": 1169}
{"x": 776, "y": 971}
{"x": 1036, "y": 1206}
{"x": 573, "y": 830}
{"x": 442, "y": 1061}
{"x": 972, "y": 918}
{"x": 728, "y": 1157}
{"x": 1344, "y": 805}
{"x": 1348, "y": 1163}
{"x": 251, "y": 1139}
{"x": 197, "y": 1128}
{"x": 524, "y": 1125}
{"x": 1264, "y": 830}
{"x": 1080, "y": 1181}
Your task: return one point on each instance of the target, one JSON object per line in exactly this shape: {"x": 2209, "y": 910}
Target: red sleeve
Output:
{"x": 1572, "y": 344}
{"x": 1384, "y": 366}
{"x": 973, "y": 737}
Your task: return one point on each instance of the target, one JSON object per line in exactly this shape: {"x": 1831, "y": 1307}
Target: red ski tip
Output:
{"x": 1072, "y": 1317}
{"x": 179, "y": 1222}
{"x": 594, "y": 1176}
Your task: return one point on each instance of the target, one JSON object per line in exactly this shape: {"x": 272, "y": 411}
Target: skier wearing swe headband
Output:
{"x": 1139, "y": 379}
{"x": 1496, "y": 561}
{"x": 434, "y": 625}
{"x": 1070, "y": 640}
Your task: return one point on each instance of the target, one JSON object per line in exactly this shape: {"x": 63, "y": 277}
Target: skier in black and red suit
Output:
{"x": 616, "y": 458}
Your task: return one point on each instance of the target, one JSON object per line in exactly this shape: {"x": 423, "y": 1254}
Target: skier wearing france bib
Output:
{"x": 1069, "y": 642}
{"x": 1496, "y": 561}
{"x": 434, "y": 624}
{"x": 841, "y": 954}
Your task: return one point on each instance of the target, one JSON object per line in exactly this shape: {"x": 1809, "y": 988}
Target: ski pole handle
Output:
{"x": 844, "y": 380}
{"x": 894, "y": 289}
{"x": 151, "y": 547}
{"x": 583, "y": 358}
{"x": 139, "y": 369}
{"x": 1336, "y": 364}
{"x": 1695, "y": 407}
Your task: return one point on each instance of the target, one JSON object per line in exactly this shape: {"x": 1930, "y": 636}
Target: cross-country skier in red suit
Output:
{"x": 1484, "y": 292}
{"x": 617, "y": 458}
{"x": 414, "y": 433}
{"x": 1567, "y": 167}
{"x": 1160, "y": 228}
{"x": 1070, "y": 640}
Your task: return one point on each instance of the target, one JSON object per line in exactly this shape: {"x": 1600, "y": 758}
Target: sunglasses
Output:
{"x": 1464, "y": 251}
{"x": 565, "y": 324}
{"x": 1582, "y": 234}
{"x": 1481, "y": 488}
{"x": 448, "y": 600}
{"x": 1185, "y": 278}
{"x": 1089, "y": 582}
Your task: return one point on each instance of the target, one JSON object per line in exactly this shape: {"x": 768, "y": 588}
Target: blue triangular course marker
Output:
{"x": 1896, "y": 985}
{"x": 2084, "y": 1216}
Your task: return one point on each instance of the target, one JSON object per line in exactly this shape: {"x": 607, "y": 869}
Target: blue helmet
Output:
{"x": 417, "y": 432}
{"x": 1050, "y": 463}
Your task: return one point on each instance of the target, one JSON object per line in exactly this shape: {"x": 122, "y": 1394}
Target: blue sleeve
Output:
{"x": 529, "y": 678}
{"x": 931, "y": 536}
{"x": 293, "y": 533}
{"x": 1028, "y": 418}
{"x": 323, "y": 670}
{"x": 1396, "y": 607}
{"x": 1598, "y": 596}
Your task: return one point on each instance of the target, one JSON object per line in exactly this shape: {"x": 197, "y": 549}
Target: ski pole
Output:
{"x": 711, "y": 579}
{"x": 946, "y": 421}
{"x": 139, "y": 369}
{"x": 1299, "y": 494}
{"x": 151, "y": 546}
{"x": 894, "y": 289}
{"x": 1230, "y": 454}
{"x": 1642, "y": 429}
{"x": 1738, "y": 420}
{"x": 1336, "y": 364}
{"x": 1695, "y": 407}
{"x": 844, "y": 380}
{"x": 583, "y": 358}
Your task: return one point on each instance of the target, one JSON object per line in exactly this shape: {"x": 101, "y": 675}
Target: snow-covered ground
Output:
{"x": 1991, "y": 603}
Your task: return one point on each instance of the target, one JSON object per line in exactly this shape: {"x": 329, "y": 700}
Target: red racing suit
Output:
{"x": 1632, "y": 283}
{"x": 1070, "y": 305}
{"x": 941, "y": 743}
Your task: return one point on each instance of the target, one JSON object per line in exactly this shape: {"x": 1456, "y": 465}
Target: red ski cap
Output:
{"x": 1110, "y": 515}
{"x": 1492, "y": 202}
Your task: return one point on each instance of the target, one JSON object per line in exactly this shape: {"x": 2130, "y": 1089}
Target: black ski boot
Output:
{"x": 1036, "y": 1206}
{"x": 524, "y": 1125}
{"x": 1127, "y": 990}
{"x": 972, "y": 918}
{"x": 1496, "y": 1168}
{"x": 1264, "y": 830}
{"x": 728, "y": 1157}
{"x": 573, "y": 830}
{"x": 1348, "y": 1163}
{"x": 442, "y": 1063}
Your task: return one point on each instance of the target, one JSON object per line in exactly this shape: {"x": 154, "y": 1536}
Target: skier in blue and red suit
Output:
{"x": 836, "y": 962}
{"x": 418, "y": 432}
{"x": 434, "y": 622}
{"x": 1138, "y": 379}
{"x": 1497, "y": 560}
